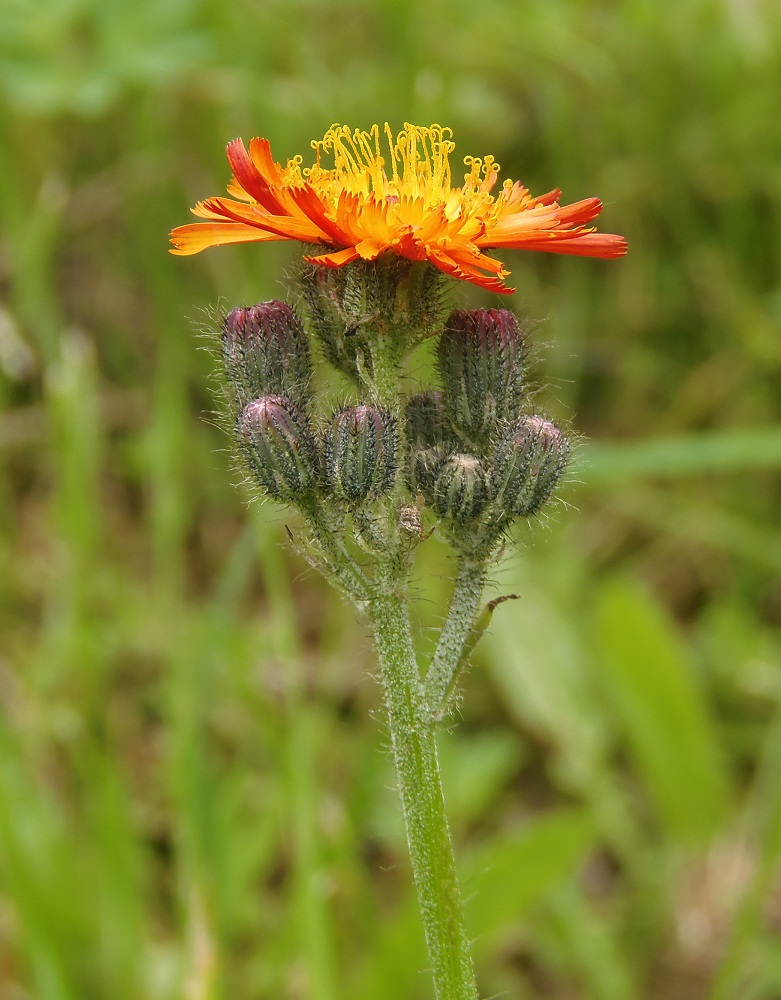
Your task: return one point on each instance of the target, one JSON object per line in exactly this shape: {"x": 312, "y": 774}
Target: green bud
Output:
{"x": 460, "y": 489}
{"x": 423, "y": 467}
{"x": 426, "y": 421}
{"x": 351, "y": 306}
{"x": 528, "y": 463}
{"x": 266, "y": 351}
{"x": 281, "y": 449}
{"x": 361, "y": 454}
{"x": 482, "y": 357}
{"x": 335, "y": 312}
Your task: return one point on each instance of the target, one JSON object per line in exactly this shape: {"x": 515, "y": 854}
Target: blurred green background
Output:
{"x": 195, "y": 795}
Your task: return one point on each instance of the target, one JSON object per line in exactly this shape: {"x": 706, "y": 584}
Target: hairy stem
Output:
{"x": 342, "y": 567}
{"x": 449, "y": 656}
{"x": 423, "y": 804}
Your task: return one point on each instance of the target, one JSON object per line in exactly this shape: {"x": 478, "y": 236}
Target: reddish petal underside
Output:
{"x": 337, "y": 259}
{"x": 466, "y": 272}
{"x": 308, "y": 201}
{"x": 251, "y": 179}
{"x": 606, "y": 245}
{"x": 409, "y": 246}
{"x": 282, "y": 225}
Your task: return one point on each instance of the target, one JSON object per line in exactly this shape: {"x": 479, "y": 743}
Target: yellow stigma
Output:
{"x": 417, "y": 165}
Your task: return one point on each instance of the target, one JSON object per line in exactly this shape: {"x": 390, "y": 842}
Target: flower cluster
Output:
{"x": 384, "y": 226}
{"x": 384, "y": 229}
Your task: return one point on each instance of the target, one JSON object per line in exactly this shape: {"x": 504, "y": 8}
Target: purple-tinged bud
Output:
{"x": 528, "y": 463}
{"x": 361, "y": 454}
{"x": 482, "y": 360}
{"x": 281, "y": 448}
{"x": 266, "y": 351}
{"x": 460, "y": 490}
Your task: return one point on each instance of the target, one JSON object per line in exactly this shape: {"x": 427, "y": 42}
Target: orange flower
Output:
{"x": 367, "y": 205}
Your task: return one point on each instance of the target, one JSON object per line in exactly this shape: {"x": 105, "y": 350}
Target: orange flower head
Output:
{"x": 367, "y": 204}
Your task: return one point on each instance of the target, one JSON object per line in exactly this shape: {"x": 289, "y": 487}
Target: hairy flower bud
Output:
{"x": 361, "y": 453}
{"x": 482, "y": 356}
{"x": 528, "y": 463}
{"x": 281, "y": 448}
{"x": 266, "y": 351}
{"x": 423, "y": 467}
{"x": 351, "y": 307}
{"x": 426, "y": 420}
{"x": 460, "y": 490}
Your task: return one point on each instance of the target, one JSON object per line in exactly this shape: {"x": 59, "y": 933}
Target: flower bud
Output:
{"x": 266, "y": 351}
{"x": 335, "y": 313}
{"x": 482, "y": 356}
{"x": 350, "y": 307}
{"x": 281, "y": 448}
{"x": 426, "y": 420}
{"x": 423, "y": 467}
{"x": 528, "y": 463}
{"x": 361, "y": 453}
{"x": 460, "y": 490}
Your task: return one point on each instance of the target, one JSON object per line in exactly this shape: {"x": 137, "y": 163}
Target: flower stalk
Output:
{"x": 423, "y": 804}
{"x": 442, "y": 675}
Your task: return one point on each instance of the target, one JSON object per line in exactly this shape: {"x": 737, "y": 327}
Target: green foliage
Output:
{"x": 644, "y": 667}
{"x": 193, "y": 789}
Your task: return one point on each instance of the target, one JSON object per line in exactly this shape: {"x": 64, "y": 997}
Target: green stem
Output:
{"x": 423, "y": 804}
{"x": 383, "y": 384}
{"x": 340, "y": 563}
{"x": 449, "y": 656}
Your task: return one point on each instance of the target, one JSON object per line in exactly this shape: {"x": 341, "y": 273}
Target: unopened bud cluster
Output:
{"x": 467, "y": 448}
{"x": 476, "y": 458}
{"x": 266, "y": 357}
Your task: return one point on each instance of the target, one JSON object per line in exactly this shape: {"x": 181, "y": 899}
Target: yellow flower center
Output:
{"x": 413, "y": 178}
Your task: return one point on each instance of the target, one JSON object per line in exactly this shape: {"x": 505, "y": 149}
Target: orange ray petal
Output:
{"x": 580, "y": 211}
{"x": 471, "y": 258}
{"x": 533, "y": 223}
{"x": 448, "y": 265}
{"x": 260, "y": 152}
{"x": 283, "y": 225}
{"x": 348, "y": 211}
{"x": 370, "y": 249}
{"x": 201, "y": 235}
